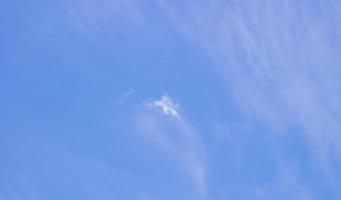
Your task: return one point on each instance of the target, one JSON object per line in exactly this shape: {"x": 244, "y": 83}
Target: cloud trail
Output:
{"x": 280, "y": 61}
{"x": 176, "y": 137}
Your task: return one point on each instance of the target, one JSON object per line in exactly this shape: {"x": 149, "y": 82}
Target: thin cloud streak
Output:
{"x": 176, "y": 137}
{"x": 276, "y": 79}
{"x": 281, "y": 63}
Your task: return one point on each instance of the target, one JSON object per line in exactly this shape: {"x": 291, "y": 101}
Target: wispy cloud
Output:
{"x": 280, "y": 61}
{"x": 176, "y": 137}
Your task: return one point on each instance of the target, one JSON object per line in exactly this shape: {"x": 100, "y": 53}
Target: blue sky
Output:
{"x": 146, "y": 100}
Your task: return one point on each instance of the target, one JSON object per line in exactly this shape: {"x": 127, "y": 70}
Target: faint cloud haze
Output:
{"x": 277, "y": 59}
{"x": 280, "y": 64}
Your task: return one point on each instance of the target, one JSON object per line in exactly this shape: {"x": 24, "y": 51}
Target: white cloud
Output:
{"x": 177, "y": 138}
{"x": 168, "y": 107}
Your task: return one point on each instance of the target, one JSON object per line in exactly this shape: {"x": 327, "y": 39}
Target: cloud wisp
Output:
{"x": 280, "y": 61}
{"x": 161, "y": 123}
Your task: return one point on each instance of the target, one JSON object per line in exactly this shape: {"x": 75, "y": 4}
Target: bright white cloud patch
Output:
{"x": 168, "y": 107}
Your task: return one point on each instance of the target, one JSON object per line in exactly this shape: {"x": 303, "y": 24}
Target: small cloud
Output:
{"x": 168, "y": 107}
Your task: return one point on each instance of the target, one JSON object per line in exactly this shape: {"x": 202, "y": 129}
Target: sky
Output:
{"x": 163, "y": 100}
